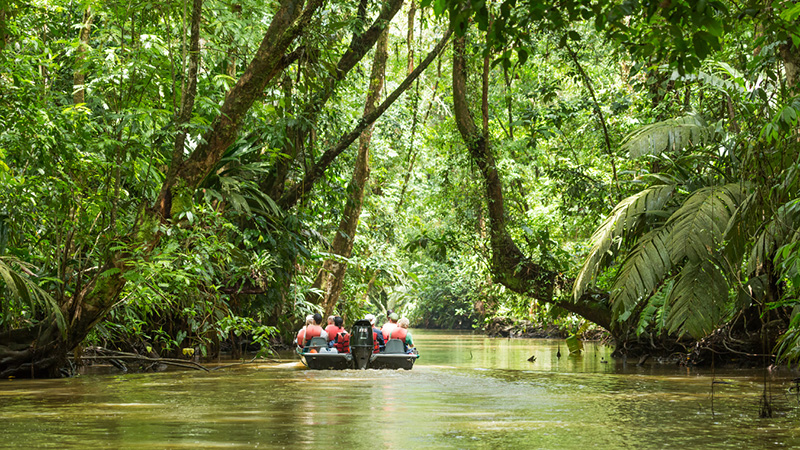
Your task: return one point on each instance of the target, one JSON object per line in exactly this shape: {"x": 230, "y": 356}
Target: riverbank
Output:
{"x": 507, "y": 327}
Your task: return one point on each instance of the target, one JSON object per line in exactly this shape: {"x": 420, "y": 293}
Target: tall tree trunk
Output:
{"x": 509, "y": 265}
{"x": 360, "y": 44}
{"x": 300, "y": 190}
{"x": 79, "y": 77}
{"x": 287, "y": 24}
{"x": 331, "y": 277}
{"x": 791, "y": 64}
{"x": 189, "y": 90}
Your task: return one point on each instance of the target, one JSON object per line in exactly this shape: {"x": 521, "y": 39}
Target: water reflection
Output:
{"x": 466, "y": 391}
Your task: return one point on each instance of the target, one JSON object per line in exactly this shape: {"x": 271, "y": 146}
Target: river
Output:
{"x": 466, "y": 391}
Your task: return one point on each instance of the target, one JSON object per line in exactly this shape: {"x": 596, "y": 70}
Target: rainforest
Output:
{"x": 195, "y": 177}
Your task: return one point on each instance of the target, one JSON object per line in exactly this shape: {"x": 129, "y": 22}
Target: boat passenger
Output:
{"x": 341, "y": 340}
{"x": 401, "y": 332}
{"x": 314, "y": 330}
{"x": 377, "y": 335}
{"x": 332, "y": 329}
{"x": 390, "y": 325}
{"x": 301, "y": 335}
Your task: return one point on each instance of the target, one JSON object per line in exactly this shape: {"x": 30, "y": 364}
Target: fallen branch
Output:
{"x": 111, "y": 354}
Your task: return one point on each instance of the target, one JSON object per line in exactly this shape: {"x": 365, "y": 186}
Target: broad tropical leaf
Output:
{"x": 780, "y": 231}
{"x": 698, "y": 302}
{"x": 621, "y": 220}
{"x": 642, "y": 271}
{"x": 671, "y": 134}
{"x": 25, "y": 290}
{"x": 741, "y": 228}
{"x": 699, "y": 225}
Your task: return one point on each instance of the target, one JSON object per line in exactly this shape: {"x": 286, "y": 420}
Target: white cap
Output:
{"x": 371, "y": 319}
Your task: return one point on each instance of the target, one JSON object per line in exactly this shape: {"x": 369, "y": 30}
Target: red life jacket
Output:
{"x": 301, "y": 336}
{"x": 376, "y": 348}
{"x": 312, "y": 331}
{"x": 332, "y": 331}
{"x": 398, "y": 333}
{"x": 342, "y": 343}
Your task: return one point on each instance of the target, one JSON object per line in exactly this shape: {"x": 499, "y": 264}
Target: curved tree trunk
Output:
{"x": 509, "y": 265}
{"x": 331, "y": 276}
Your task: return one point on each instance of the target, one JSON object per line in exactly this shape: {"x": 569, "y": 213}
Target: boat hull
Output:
{"x": 392, "y": 361}
{"x": 327, "y": 361}
{"x": 345, "y": 361}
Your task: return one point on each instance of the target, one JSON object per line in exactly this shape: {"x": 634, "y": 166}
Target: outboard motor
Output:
{"x": 361, "y": 343}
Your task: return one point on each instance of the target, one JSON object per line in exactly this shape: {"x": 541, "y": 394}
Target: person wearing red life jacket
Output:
{"x": 377, "y": 335}
{"x": 341, "y": 340}
{"x": 333, "y": 329}
{"x": 301, "y": 335}
{"x": 401, "y": 332}
{"x": 314, "y": 330}
{"x": 390, "y": 324}
{"x": 330, "y": 322}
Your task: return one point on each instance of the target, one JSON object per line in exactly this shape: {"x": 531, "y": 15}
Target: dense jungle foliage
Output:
{"x": 203, "y": 174}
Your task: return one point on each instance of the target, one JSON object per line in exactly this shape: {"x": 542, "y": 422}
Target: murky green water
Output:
{"x": 466, "y": 391}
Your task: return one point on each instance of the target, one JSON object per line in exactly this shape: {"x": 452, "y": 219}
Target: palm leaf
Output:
{"x": 699, "y": 225}
{"x": 642, "y": 271}
{"x": 27, "y": 292}
{"x": 621, "y": 220}
{"x": 699, "y": 300}
{"x": 671, "y": 134}
{"x": 742, "y": 226}
{"x": 780, "y": 231}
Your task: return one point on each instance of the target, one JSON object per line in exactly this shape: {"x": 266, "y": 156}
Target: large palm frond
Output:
{"x": 692, "y": 237}
{"x": 622, "y": 219}
{"x": 699, "y": 299}
{"x": 671, "y": 134}
{"x": 642, "y": 271}
{"x": 699, "y": 225}
{"x": 15, "y": 274}
{"x": 783, "y": 229}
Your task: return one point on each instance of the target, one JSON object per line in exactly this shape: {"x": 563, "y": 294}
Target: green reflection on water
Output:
{"x": 466, "y": 391}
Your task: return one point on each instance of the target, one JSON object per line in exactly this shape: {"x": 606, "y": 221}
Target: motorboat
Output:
{"x": 318, "y": 356}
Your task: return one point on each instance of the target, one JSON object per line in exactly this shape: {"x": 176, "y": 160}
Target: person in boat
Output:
{"x": 377, "y": 335}
{"x": 311, "y": 331}
{"x": 332, "y": 329}
{"x": 401, "y": 332}
{"x": 390, "y": 325}
{"x": 301, "y": 335}
{"x": 341, "y": 340}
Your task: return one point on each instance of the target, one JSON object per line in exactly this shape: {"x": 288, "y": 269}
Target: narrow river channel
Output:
{"x": 466, "y": 391}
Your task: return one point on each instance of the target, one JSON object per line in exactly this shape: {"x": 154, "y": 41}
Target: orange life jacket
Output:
{"x": 332, "y": 331}
{"x": 312, "y": 331}
{"x": 398, "y": 333}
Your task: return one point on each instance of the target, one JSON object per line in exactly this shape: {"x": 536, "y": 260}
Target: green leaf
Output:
{"x": 671, "y": 134}
{"x": 699, "y": 300}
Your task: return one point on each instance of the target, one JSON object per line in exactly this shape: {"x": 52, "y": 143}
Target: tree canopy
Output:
{"x": 205, "y": 174}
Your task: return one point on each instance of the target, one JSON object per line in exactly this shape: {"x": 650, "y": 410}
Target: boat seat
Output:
{"x": 395, "y": 346}
{"x": 318, "y": 342}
